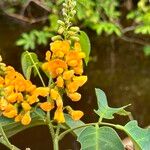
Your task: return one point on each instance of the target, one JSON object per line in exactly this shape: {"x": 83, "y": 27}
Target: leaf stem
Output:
{"x": 36, "y": 69}
{"x": 8, "y": 144}
{"x": 90, "y": 124}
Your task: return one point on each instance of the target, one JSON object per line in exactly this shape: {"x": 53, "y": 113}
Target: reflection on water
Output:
{"x": 120, "y": 69}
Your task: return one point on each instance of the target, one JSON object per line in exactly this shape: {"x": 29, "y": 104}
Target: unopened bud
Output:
{"x": 57, "y": 37}
{"x": 60, "y": 30}
{"x": 71, "y": 33}
{"x": 60, "y": 22}
{"x": 75, "y": 38}
{"x": 75, "y": 28}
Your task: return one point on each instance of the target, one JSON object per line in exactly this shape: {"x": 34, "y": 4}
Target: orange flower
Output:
{"x": 47, "y": 106}
{"x": 67, "y": 75}
{"x": 73, "y": 58}
{"x": 59, "y": 102}
{"x": 80, "y": 80}
{"x": 18, "y": 117}
{"x": 25, "y": 106}
{"x": 74, "y": 96}
{"x": 76, "y": 114}
{"x": 72, "y": 86}
{"x": 77, "y": 46}
{"x": 12, "y": 98}
{"x": 55, "y": 67}
{"x": 3, "y": 103}
{"x": 41, "y": 91}
{"x": 29, "y": 86}
{"x": 9, "y": 89}
{"x": 10, "y": 111}
{"x": 60, "y": 82}
{"x": 59, "y": 116}
{"x": 32, "y": 99}
{"x": 60, "y": 48}
{"x": 26, "y": 119}
{"x": 54, "y": 94}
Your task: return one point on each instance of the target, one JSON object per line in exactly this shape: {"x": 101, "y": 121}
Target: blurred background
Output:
{"x": 119, "y": 31}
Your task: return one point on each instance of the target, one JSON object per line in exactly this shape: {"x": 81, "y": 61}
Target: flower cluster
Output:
{"x": 18, "y": 95}
{"x": 64, "y": 63}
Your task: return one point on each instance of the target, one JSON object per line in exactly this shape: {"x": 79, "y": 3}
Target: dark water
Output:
{"x": 118, "y": 68}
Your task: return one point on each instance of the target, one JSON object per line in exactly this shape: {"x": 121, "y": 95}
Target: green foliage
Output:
{"x": 140, "y": 137}
{"x": 104, "y": 138}
{"x": 29, "y": 40}
{"x": 73, "y": 124}
{"x": 104, "y": 111}
{"x": 142, "y": 17}
{"x": 146, "y": 50}
{"x": 11, "y": 128}
{"x": 85, "y": 45}
{"x": 29, "y": 61}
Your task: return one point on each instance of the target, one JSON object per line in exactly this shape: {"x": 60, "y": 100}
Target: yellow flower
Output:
{"x": 73, "y": 58}
{"x": 72, "y": 87}
{"x": 60, "y": 82}
{"x": 80, "y": 80}
{"x": 12, "y": 98}
{"x": 29, "y": 86}
{"x": 25, "y": 106}
{"x": 54, "y": 94}
{"x": 55, "y": 67}
{"x": 77, "y": 46}
{"x": 9, "y": 89}
{"x": 48, "y": 56}
{"x": 19, "y": 97}
{"x": 67, "y": 75}
{"x": 59, "y": 116}
{"x": 60, "y": 48}
{"x": 10, "y": 111}
{"x": 79, "y": 68}
{"x": 59, "y": 102}
{"x": 3, "y": 103}
{"x": 26, "y": 119}
{"x": 76, "y": 114}
{"x": 18, "y": 117}
{"x": 41, "y": 91}
{"x": 74, "y": 96}
{"x": 32, "y": 99}
{"x": 47, "y": 106}
{"x": 1, "y": 80}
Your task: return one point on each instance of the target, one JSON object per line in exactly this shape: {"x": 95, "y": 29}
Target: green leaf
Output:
{"x": 139, "y": 136}
{"x": 29, "y": 61}
{"x": 104, "y": 111}
{"x": 73, "y": 124}
{"x": 27, "y": 40}
{"x": 104, "y": 138}
{"x": 53, "y": 22}
{"x": 146, "y": 50}
{"x": 85, "y": 45}
{"x": 11, "y": 127}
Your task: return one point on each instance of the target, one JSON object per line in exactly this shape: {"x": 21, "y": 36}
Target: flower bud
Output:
{"x": 57, "y": 37}
{"x": 75, "y": 28}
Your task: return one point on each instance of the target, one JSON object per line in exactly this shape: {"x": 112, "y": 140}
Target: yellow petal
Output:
{"x": 26, "y": 106}
{"x": 74, "y": 96}
{"x": 67, "y": 75}
{"x": 60, "y": 82}
{"x": 47, "y": 106}
{"x": 26, "y": 119}
{"x": 76, "y": 114}
{"x": 59, "y": 116}
{"x": 41, "y": 91}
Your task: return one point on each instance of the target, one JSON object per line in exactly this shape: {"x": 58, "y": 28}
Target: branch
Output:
{"x": 133, "y": 40}
{"x": 37, "y": 2}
